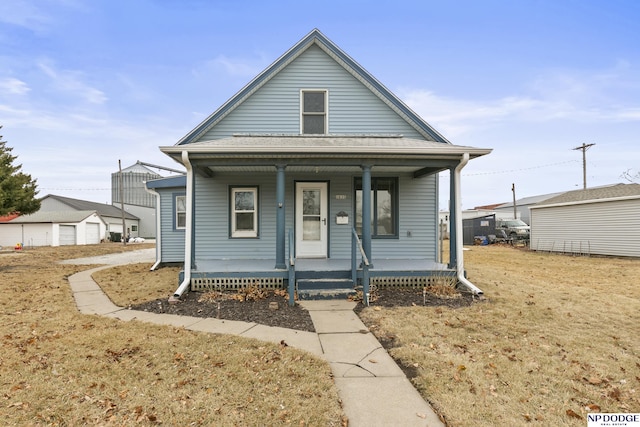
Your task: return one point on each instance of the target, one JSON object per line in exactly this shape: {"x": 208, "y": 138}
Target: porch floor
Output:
{"x": 380, "y": 265}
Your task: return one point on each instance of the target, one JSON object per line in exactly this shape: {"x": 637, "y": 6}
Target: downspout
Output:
{"x": 158, "y": 227}
{"x": 459, "y": 254}
{"x": 186, "y": 281}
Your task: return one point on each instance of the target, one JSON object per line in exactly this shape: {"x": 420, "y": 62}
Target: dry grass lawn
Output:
{"x": 58, "y": 367}
{"x": 557, "y": 337}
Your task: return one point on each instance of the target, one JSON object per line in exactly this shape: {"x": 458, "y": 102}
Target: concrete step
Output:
{"x": 321, "y": 294}
{"x": 323, "y": 274}
{"x": 324, "y": 283}
{"x": 326, "y": 288}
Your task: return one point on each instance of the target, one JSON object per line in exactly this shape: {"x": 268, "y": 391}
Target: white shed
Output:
{"x": 53, "y": 228}
{"x": 598, "y": 221}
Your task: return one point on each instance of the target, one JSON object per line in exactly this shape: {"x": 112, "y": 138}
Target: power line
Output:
{"x": 519, "y": 170}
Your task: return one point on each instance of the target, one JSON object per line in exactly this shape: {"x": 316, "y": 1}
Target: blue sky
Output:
{"x": 86, "y": 83}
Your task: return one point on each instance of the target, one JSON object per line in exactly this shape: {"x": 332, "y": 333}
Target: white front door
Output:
{"x": 311, "y": 219}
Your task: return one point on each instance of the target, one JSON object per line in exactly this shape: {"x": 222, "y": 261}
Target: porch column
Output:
{"x": 280, "y": 218}
{"x": 453, "y": 202}
{"x": 366, "y": 211}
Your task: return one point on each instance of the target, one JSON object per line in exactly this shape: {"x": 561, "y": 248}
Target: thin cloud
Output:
{"x": 13, "y": 86}
{"x": 235, "y": 67}
{"x": 553, "y": 96}
{"x": 24, "y": 14}
{"x": 71, "y": 82}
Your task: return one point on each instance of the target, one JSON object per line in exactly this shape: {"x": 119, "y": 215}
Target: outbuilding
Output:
{"x": 595, "y": 221}
{"x": 111, "y": 215}
{"x": 53, "y": 228}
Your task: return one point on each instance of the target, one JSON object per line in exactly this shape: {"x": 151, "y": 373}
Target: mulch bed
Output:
{"x": 257, "y": 310}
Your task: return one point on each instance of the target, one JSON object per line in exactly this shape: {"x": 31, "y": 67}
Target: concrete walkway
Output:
{"x": 373, "y": 389}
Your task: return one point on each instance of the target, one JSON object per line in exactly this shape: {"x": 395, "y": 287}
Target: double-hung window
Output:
{"x": 313, "y": 112}
{"x": 244, "y": 212}
{"x": 180, "y": 212}
{"x": 384, "y": 207}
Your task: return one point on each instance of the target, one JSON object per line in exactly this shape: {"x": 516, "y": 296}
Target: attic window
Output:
{"x": 314, "y": 112}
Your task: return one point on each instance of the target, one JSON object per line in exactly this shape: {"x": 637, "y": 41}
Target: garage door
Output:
{"x": 93, "y": 233}
{"x": 67, "y": 235}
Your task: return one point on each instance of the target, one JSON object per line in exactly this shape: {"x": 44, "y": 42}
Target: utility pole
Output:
{"x": 584, "y": 148}
{"x": 124, "y": 223}
{"x": 515, "y": 208}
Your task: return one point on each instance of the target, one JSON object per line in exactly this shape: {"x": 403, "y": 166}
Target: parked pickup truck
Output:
{"x": 512, "y": 229}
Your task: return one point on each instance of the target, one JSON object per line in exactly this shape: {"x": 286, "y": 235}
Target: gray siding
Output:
{"x": 50, "y": 204}
{"x": 147, "y": 222}
{"x": 172, "y": 240}
{"x": 275, "y": 107}
{"x": 602, "y": 228}
{"x": 417, "y": 221}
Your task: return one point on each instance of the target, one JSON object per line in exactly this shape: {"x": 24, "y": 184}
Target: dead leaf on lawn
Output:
{"x": 573, "y": 414}
{"x": 594, "y": 380}
{"x": 615, "y": 393}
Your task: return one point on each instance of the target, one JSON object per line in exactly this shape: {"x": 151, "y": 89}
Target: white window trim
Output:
{"x": 244, "y": 233}
{"x": 326, "y": 110}
{"x": 178, "y": 227}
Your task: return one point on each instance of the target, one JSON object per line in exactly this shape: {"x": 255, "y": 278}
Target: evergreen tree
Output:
{"x": 17, "y": 190}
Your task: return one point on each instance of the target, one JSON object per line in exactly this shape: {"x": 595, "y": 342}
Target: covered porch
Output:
{"x": 350, "y": 259}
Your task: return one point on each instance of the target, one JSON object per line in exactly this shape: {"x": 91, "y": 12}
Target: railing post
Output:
{"x": 365, "y": 284}
{"x": 292, "y": 271}
{"x": 292, "y": 285}
{"x": 354, "y": 257}
{"x": 356, "y": 244}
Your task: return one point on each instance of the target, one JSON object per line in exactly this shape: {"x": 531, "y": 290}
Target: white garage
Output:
{"x": 53, "y": 228}
{"x": 92, "y": 233}
{"x": 67, "y": 234}
{"x": 595, "y": 221}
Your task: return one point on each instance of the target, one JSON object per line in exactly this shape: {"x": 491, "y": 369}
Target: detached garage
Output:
{"x": 53, "y": 228}
{"x": 595, "y": 221}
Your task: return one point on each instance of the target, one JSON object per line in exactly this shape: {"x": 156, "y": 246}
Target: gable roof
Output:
{"x": 9, "y": 217}
{"x": 85, "y": 205}
{"x": 614, "y": 191}
{"x": 54, "y": 217}
{"x": 138, "y": 167}
{"x": 526, "y": 201}
{"x": 315, "y": 37}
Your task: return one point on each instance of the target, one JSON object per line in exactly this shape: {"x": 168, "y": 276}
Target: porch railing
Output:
{"x": 292, "y": 269}
{"x": 356, "y": 245}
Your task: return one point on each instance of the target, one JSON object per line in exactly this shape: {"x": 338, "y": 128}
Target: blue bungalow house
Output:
{"x": 314, "y": 176}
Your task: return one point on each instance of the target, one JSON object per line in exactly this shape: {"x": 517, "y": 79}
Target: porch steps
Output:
{"x": 325, "y": 288}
